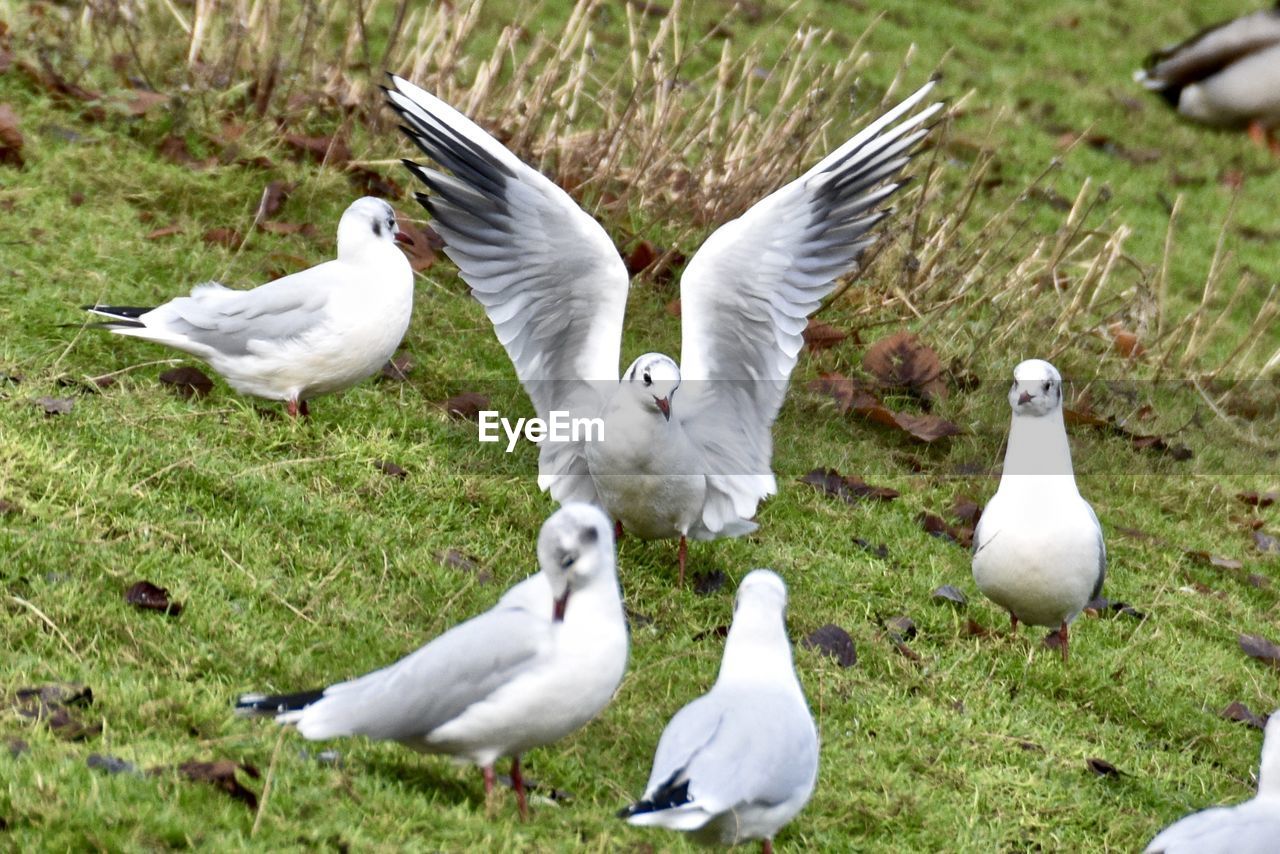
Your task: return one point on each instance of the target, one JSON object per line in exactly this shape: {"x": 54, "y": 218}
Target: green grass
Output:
{"x": 299, "y": 562}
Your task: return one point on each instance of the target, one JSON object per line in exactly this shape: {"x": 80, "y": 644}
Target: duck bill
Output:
{"x": 664, "y": 406}
{"x": 557, "y": 613}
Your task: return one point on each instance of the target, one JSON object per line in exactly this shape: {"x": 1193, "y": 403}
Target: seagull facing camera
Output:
{"x": 653, "y": 379}
{"x": 1038, "y": 550}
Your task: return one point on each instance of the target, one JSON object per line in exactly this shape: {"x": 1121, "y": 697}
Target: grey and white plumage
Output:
{"x": 1038, "y": 550}
{"x": 555, "y": 289}
{"x": 1227, "y": 75}
{"x": 741, "y": 761}
{"x": 314, "y": 332}
{"x": 1252, "y": 827}
{"x": 534, "y": 668}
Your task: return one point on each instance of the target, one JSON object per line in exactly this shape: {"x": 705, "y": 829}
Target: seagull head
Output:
{"x": 653, "y": 379}
{"x": 366, "y": 224}
{"x": 762, "y": 589}
{"x": 1037, "y": 388}
{"x": 574, "y": 548}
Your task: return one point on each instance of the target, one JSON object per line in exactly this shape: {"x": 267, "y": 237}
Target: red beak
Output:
{"x": 557, "y": 614}
{"x": 664, "y": 404}
{"x": 401, "y": 237}
{"x": 1025, "y": 397}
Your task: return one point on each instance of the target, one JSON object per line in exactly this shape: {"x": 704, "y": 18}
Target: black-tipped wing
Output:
{"x": 748, "y": 292}
{"x": 546, "y": 273}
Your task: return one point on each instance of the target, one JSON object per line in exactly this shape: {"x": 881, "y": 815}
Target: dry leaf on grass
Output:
{"x": 466, "y": 406}
{"x": 903, "y": 361}
{"x": 187, "y": 382}
{"x": 847, "y": 488}
{"x": 52, "y": 705}
{"x": 1258, "y": 647}
{"x": 821, "y": 336}
{"x": 833, "y": 641}
{"x": 397, "y": 368}
{"x": 1241, "y": 713}
{"x": 55, "y": 405}
{"x": 390, "y": 469}
{"x": 149, "y": 597}
{"x": 220, "y": 773}
{"x": 10, "y": 138}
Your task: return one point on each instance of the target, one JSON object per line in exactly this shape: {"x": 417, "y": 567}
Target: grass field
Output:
{"x": 299, "y": 561}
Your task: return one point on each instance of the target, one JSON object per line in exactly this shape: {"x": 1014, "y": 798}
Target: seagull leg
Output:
{"x": 1013, "y": 623}
{"x": 517, "y": 783}
{"x": 303, "y": 409}
{"x": 291, "y": 407}
{"x": 766, "y": 846}
{"x": 683, "y": 555}
{"x": 617, "y": 530}
{"x": 1062, "y": 636}
{"x": 488, "y": 789}
{"x": 1258, "y": 134}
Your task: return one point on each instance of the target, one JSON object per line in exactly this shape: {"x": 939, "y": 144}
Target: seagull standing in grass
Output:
{"x": 1252, "y": 827}
{"x": 741, "y": 761}
{"x": 536, "y": 667}
{"x": 1038, "y": 550}
{"x": 318, "y": 331}
{"x": 694, "y": 465}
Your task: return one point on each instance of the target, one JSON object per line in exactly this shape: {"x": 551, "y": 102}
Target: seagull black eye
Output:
{"x": 648, "y": 380}
{"x": 567, "y": 561}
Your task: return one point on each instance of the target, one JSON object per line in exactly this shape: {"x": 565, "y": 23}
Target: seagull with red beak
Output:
{"x": 692, "y": 466}
{"x": 531, "y": 670}
{"x": 314, "y": 332}
{"x": 1038, "y": 550}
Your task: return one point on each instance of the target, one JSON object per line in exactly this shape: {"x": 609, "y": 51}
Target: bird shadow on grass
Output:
{"x": 432, "y": 776}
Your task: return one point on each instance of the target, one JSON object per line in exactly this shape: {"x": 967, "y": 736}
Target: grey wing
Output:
{"x": 747, "y": 294}
{"x": 234, "y": 323}
{"x": 736, "y": 748}
{"x": 546, "y": 273}
{"x": 1102, "y": 552}
{"x": 433, "y": 685}
{"x": 1211, "y": 50}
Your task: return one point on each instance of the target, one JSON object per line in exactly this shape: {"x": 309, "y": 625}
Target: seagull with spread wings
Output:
{"x": 693, "y": 466}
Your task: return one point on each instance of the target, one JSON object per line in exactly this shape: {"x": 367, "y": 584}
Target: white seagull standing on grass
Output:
{"x": 1038, "y": 550}
{"x": 536, "y": 667}
{"x": 318, "y": 331}
{"x": 741, "y": 761}
{"x": 555, "y": 289}
{"x": 1252, "y": 827}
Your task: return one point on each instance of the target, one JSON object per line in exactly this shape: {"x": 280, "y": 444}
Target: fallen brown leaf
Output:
{"x": 167, "y": 231}
{"x": 369, "y": 182}
{"x": 221, "y": 773}
{"x": 1266, "y": 543}
{"x": 139, "y": 102}
{"x": 935, "y": 526}
{"x": 149, "y": 597}
{"x": 1255, "y": 499}
{"x": 821, "y": 336}
{"x": 398, "y": 368}
{"x": 426, "y": 245}
{"x": 833, "y": 641}
{"x": 1103, "y": 768}
{"x": 1241, "y": 713}
{"x": 331, "y": 150}
{"x": 641, "y": 256}
{"x": 274, "y": 195}
{"x": 466, "y": 405}
{"x": 1258, "y": 647}
{"x": 950, "y": 593}
{"x": 51, "y": 704}
{"x": 390, "y": 469}
{"x": 220, "y": 236}
{"x": 187, "y": 381}
{"x": 848, "y": 488}
{"x": 10, "y": 138}
{"x": 903, "y": 361}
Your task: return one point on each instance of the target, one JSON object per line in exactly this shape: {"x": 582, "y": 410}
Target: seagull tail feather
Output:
{"x": 121, "y": 316}
{"x": 270, "y": 705}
